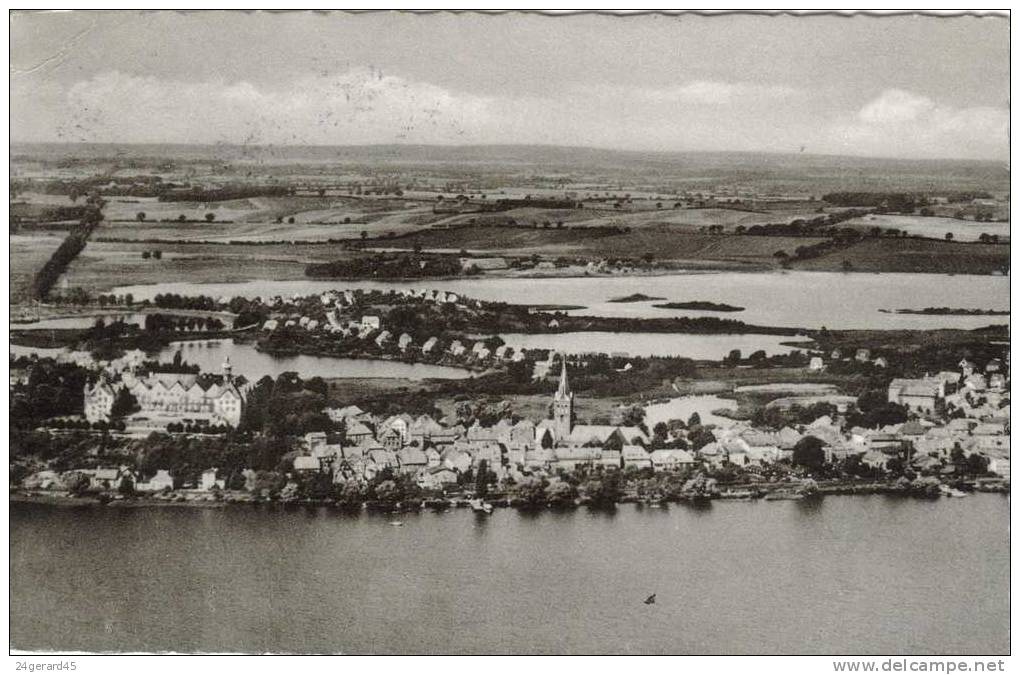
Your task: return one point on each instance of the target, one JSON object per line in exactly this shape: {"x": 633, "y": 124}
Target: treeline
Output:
{"x": 198, "y": 194}
{"x": 68, "y": 250}
{"x": 384, "y": 266}
{"x": 898, "y": 201}
{"x": 157, "y": 323}
{"x": 48, "y": 389}
{"x": 803, "y": 227}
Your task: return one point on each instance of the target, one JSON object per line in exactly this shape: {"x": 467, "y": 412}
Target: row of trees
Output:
{"x": 68, "y": 250}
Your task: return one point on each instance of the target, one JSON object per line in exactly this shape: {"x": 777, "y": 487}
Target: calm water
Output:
{"x": 797, "y": 299}
{"x": 209, "y": 355}
{"x": 253, "y": 364}
{"x": 80, "y": 322}
{"x": 682, "y": 407}
{"x": 870, "y": 575}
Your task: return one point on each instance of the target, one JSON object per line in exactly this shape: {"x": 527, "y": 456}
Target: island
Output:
{"x": 636, "y": 297}
{"x": 701, "y": 305}
{"x": 949, "y": 311}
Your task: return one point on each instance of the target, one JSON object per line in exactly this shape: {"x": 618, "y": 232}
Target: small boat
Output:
{"x": 480, "y": 506}
{"x": 396, "y": 523}
{"x": 951, "y": 492}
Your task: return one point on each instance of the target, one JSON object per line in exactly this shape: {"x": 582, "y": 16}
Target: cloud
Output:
{"x": 904, "y": 124}
{"x": 895, "y": 105}
{"x": 358, "y": 106}
{"x": 704, "y": 93}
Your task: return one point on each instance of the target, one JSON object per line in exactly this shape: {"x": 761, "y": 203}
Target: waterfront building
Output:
{"x": 172, "y": 396}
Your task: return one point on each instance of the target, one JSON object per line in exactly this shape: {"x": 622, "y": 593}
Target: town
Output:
{"x": 944, "y": 432}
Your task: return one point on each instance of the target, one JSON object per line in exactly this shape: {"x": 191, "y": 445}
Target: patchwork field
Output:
{"x": 662, "y": 242}
{"x": 104, "y": 265}
{"x": 915, "y": 255}
{"x": 931, "y": 226}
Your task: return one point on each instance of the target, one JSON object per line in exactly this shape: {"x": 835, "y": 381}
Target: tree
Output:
{"x": 182, "y": 218}
{"x": 808, "y": 452}
{"x": 290, "y": 221}
{"x": 364, "y": 234}
{"x": 209, "y": 217}
{"x": 126, "y": 487}
{"x": 482, "y": 480}
{"x": 140, "y": 216}
{"x": 694, "y": 420}
{"x": 977, "y": 464}
{"x": 949, "y": 236}
{"x": 124, "y": 404}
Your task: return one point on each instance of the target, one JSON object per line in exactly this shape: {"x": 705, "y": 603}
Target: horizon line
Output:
{"x": 594, "y": 148}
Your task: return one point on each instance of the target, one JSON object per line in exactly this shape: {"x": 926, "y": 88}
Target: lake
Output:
{"x": 253, "y": 364}
{"x": 789, "y": 299}
{"x": 857, "y": 575}
{"x": 682, "y": 407}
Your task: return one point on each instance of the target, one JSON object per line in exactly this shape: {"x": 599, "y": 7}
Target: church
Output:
{"x": 561, "y": 430}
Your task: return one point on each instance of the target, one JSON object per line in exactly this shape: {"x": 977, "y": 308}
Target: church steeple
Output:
{"x": 564, "y": 389}
{"x": 563, "y": 407}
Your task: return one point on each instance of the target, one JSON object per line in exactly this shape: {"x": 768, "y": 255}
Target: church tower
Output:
{"x": 563, "y": 407}
{"x": 228, "y": 371}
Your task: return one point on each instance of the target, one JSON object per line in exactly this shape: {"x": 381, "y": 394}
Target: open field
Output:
{"x": 931, "y": 226}
{"x": 104, "y": 265}
{"x": 662, "y": 242}
{"x": 28, "y": 254}
{"x": 914, "y": 255}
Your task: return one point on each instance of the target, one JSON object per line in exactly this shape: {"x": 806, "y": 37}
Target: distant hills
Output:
{"x": 739, "y": 167}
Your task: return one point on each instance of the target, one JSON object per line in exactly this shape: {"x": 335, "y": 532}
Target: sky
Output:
{"x": 905, "y": 87}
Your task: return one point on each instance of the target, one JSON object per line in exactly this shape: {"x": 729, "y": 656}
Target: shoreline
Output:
{"x": 737, "y": 492}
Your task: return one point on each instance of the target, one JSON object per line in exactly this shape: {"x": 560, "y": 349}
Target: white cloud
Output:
{"x": 903, "y": 124}
{"x": 359, "y": 106}
{"x": 895, "y": 105}
{"x": 704, "y": 93}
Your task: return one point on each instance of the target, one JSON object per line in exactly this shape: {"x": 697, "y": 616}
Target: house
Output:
{"x": 383, "y": 338}
{"x": 457, "y": 348}
{"x": 305, "y": 463}
{"x": 271, "y": 325}
{"x": 862, "y": 355}
{"x": 636, "y": 456}
{"x": 457, "y": 460}
{"x": 209, "y": 481}
{"x": 880, "y": 362}
{"x": 816, "y": 363}
{"x": 437, "y": 478}
{"x": 572, "y": 457}
{"x": 108, "y": 479}
{"x": 671, "y": 460}
{"x": 921, "y": 395}
{"x": 429, "y": 345}
{"x": 161, "y": 481}
{"x": 370, "y": 323}
{"x": 412, "y": 460}
{"x": 404, "y": 341}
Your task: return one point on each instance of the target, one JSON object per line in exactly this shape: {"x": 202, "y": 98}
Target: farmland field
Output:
{"x": 28, "y": 254}
{"x": 104, "y": 265}
{"x": 934, "y": 227}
